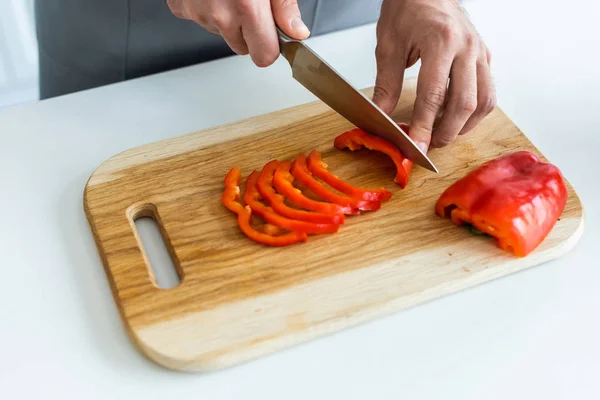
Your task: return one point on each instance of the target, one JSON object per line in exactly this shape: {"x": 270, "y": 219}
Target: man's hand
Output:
{"x": 248, "y": 26}
{"x": 440, "y": 34}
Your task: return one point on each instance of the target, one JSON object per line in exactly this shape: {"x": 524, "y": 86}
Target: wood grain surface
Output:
{"x": 237, "y": 299}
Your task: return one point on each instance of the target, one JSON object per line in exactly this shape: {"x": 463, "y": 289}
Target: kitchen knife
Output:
{"x": 329, "y": 86}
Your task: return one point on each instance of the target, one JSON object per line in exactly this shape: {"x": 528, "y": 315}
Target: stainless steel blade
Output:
{"x": 329, "y": 86}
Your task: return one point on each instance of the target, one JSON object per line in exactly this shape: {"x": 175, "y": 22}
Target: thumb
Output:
{"x": 388, "y": 84}
{"x": 287, "y": 17}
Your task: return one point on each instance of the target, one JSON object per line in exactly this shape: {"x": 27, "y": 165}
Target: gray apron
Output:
{"x": 89, "y": 43}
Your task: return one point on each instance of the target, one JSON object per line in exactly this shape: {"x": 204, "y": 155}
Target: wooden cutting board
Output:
{"x": 237, "y": 299}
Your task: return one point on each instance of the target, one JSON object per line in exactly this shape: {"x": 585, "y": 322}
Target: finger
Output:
{"x": 431, "y": 94}
{"x": 288, "y": 18}
{"x": 235, "y": 40}
{"x": 486, "y": 97}
{"x": 390, "y": 77}
{"x": 259, "y": 31}
{"x": 462, "y": 101}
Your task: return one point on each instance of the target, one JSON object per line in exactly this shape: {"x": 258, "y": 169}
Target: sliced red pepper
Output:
{"x": 302, "y": 174}
{"x": 265, "y": 188}
{"x": 515, "y": 198}
{"x": 270, "y": 229}
{"x": 283, "y": 182}
{"x": 319, "y": 169}
{"x": 230, "y": 199}
{"x": 356, "y": 138}
{"x": 231, "y": 194}
{"x": 252, "y": 198}
{"x": 244, "y": 218}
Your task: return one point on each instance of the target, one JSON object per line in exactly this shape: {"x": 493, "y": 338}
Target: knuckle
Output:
{"x": 448, "y": 32}
{"x": 466, "y": 104}
{"x": 471, "y": 42}
{"x": 433, "y": 99}
{"x": 381, "y": 90}
{"x": 246, "y": 6}
{"x": 488, "y": 104}
{"x": 175, "y": 7}
{"x": 178, "y": 13}
{"x": 220, "y": 20}
{"x": 200, "y": 18}
{"x": 231, "y": 33}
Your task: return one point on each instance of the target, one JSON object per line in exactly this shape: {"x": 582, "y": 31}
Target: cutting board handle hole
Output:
{"x": 153, "y": 244}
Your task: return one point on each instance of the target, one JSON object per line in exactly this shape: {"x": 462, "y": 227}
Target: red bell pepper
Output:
{"x": 277, "y": 201}
{"x": 356, "y": 138}
{"x": 283, "y": 182}
{"x": 302, "y": 174}
{"x": 231, "y": 197}
{"x": 319, "y": 169}
{"x": 252, "y": 198}
{"x": 515, "y": 198}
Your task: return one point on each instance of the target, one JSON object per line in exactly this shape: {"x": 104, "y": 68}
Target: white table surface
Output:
{"x": 534, "y": 334}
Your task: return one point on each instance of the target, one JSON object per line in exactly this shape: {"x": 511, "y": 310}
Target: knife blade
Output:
{"x": 312, "y": 72}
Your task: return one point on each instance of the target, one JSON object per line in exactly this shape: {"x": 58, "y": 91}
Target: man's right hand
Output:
{"x": 248, "y": 26}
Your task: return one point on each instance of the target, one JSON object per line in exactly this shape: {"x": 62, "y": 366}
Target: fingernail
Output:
{"x": 423, "y": 146}
{"x": 297, "y": 23}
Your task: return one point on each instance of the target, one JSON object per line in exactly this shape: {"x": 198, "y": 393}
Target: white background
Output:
{"x": 18, "y": 53}
{"x": 530, "y": 335}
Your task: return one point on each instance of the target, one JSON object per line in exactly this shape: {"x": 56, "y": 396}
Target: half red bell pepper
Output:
{"x": 302, "y": 174}
{"x": 231, "y": 197}
{"x": 356, "y": 138}
{"x": 319, "y": 169}
{"x": 252, "y": 198}
{"x": 277, "y": 201}
{"x": 283, "y": 182}
{"x": 515, "y": 198}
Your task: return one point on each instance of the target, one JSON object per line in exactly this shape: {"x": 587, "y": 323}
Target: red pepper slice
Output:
{"x": 265, "y": 188}
{"x": 302, "y": 174}
{"x": 269, "y": 229}
{"x": 283, "y": 180}
{"x": 319, "y": 169}
{"x": 265, "y": 238}
{"x": 356, "y": 138}
{"x": 515, "y": 198}
{"x": 252, "y": 198}
{"x": 230, "y": 199}
{"x": 231, "y": 194}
